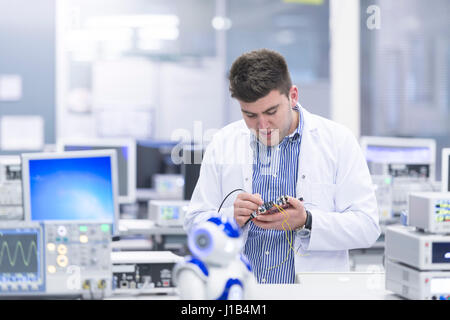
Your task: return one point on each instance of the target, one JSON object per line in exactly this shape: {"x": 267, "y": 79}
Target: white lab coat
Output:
{"x": 333, "y": 179}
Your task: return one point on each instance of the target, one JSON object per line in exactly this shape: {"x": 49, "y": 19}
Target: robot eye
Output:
{"x": 200, "y": 243}
{"x": 203, "y": 241}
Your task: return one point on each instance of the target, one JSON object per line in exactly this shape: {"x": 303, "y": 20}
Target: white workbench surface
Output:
{"x": 312, "y": 286}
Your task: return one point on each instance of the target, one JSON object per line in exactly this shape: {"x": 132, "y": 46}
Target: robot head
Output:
{"x": 216, "y": 241}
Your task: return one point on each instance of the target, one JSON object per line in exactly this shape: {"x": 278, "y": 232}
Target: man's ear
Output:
{"x": 293, "y": 95}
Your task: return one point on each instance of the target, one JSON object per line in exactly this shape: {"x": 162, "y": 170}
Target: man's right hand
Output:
{"x": 244, "y": 205}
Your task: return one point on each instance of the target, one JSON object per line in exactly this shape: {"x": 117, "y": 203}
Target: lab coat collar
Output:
{"x": 309, "y": 121}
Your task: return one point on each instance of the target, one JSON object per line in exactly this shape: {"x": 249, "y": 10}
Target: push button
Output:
{"x": 51, "y": 269}
{"x": 62, "y": 261}
{"x": 62, "y": 249}
{"x": 84, "y": 238}
{"x": 62, "y": 231}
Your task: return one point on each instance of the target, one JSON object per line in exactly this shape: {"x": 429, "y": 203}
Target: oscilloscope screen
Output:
{"x": 19, "y": 252}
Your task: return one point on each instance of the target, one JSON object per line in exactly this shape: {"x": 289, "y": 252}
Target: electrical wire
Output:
{"x": 285, "y": 221}
{"x": 246, "y": 222}
{"x": 287, "y": 238}
{"x": 289, "y": 241}
{"x": 220, "y": 207}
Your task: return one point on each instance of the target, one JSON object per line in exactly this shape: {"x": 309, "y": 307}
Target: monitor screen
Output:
{"x": 192, "y": 161}
{"x": 400, "y": 157}
{"x": 21, "y": 258}
{"x": 154, "y": 157}
{"x": 122, "y": 164}
{"x": 19, "y": 252}
{"x": 70, "y": 186}
{"x": 126, "y": 161}
{"x": 404, "y": 155}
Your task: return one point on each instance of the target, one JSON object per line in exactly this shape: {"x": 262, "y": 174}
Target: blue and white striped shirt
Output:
{"x": 275, "y": 171}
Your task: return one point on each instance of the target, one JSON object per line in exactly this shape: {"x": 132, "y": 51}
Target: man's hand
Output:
{"x": 244, "y": 205}
{"x": 287, "y": 219}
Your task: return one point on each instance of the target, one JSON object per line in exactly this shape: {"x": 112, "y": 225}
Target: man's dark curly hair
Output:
{"x": 254, "y": 74}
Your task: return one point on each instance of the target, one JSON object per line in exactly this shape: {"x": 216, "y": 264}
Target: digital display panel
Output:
{"x": 403, "y": 155}
{"x": 440, "y": 285}
{"x": 442, "y": 211}
{"x": 170, "y": 213}
{"x": 440, "y": 252}
{"x": 18, "y": 252}
{"x": 20, "y": 257}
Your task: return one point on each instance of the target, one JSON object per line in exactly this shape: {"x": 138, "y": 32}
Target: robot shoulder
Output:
{"x": 194, "y": 264}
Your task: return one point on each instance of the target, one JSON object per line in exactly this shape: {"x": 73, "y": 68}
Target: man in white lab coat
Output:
{"x": 279, "y": 148}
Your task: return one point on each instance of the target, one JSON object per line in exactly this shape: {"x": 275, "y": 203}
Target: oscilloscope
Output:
{"x": 51, "y": 258}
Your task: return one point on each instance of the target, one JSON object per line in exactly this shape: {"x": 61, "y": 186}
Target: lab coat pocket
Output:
{"x": 322, "y": 196}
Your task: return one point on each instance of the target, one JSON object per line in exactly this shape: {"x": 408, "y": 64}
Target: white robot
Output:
{"x": 216, "y": 269}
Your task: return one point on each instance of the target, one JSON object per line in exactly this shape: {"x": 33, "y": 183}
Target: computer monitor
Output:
{"x": 154, "y": 157}
{"x": 445, "y": 172}
{"x": 126, "y": 160}
{"x": 71, "y": 186}
{"x": 400, "y": 157}
{"x": 190, "y": 168}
